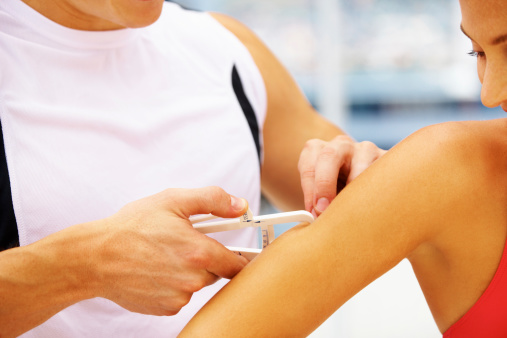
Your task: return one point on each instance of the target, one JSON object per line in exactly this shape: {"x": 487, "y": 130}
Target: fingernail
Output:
{"x": 314, "y": 213}
{"x": 322, "y": 204}
{"x": 237, "y": 204}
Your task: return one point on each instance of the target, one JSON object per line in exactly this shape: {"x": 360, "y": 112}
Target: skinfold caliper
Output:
{"x": 265, "y": 222}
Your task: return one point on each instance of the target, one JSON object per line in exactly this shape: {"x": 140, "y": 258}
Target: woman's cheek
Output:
{"x": 481, "y": 67}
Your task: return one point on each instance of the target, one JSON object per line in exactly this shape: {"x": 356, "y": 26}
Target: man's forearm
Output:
{"x": 146, "y": 243}
{"x": 39, "y": 280}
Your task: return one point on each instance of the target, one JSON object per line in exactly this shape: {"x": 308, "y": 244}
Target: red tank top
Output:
{"x": 488, "y": 316}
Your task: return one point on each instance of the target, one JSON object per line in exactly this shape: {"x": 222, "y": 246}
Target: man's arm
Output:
{"x": 148, "y": 243}
{"x": 290, "y": 123}
{"x": 436, "y": 198}
{"x": 41, "y": 279}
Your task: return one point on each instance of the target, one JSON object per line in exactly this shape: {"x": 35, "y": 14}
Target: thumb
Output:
{"x": 208, "y": 200}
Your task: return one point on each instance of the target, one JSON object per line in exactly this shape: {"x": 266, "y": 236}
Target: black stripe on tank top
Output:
{"x": 9, "y": 237}
{"x": 237, "y": 85}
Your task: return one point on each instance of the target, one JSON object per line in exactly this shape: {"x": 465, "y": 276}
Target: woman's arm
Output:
{"x": 411, "y": 203}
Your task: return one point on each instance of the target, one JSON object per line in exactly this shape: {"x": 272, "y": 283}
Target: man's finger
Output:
{"x": 306, "y": 168}
{"x": 331, "y": 159}
{"x": 223, "y": 262}
{"x": 365, "y": 154}
{"x": 208, "y": 200}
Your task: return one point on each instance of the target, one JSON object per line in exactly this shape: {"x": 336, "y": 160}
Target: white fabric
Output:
{"x": 94, "y": 120}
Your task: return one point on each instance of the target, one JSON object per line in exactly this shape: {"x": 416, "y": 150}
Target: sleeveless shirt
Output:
{"x": 94, "y": 120}
{"x": 488, "y": 316}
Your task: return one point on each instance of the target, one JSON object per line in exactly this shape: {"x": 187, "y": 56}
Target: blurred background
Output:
{"x": 381, "y": 69}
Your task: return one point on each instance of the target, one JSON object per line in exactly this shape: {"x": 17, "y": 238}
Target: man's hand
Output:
{"x": 152, "y": 260}
{"x": 326, "y": 167}
{"x": 147, "y": 258}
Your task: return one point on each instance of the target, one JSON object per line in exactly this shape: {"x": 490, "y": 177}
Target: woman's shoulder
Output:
{"x": 482, "y": 143}
{"x": 464, "y": 163}
{"x": 463, "y": 130}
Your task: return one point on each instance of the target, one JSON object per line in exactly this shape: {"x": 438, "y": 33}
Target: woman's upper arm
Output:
{"x": 402, "y": 202}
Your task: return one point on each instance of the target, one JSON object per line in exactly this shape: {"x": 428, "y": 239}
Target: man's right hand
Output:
{"x": 147, "y": 258}
{"x": 151, "y": 260}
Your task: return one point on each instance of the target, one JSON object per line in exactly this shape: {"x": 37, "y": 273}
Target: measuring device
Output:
{"x": 265, "y": 222}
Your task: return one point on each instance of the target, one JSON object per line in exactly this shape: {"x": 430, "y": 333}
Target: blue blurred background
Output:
{"x": 381, "y": 69}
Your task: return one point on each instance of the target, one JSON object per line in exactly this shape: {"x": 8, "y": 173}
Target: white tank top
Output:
{"x": 94, "y": 120}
